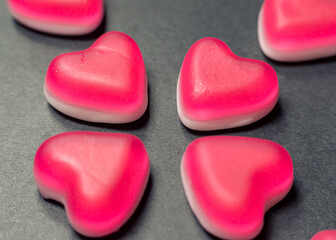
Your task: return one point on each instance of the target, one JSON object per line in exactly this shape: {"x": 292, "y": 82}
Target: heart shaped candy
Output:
{"x": 217, "y": 89}
{"x": 230, "y": 182}
{"x": 105, "y": 83}
{"x": 297, "y": 30}
{"x": 98, "y": 177}
{"x": 64, "y": 17}
{"x": 325, "y": 235}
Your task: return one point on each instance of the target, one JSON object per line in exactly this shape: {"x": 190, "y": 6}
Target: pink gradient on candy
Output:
{"x": 98, "y": 177}
{"x": 218, "y": 89}
{"x": 65, "y": 17}
{"x": 108, "y": 78}
{"x": 230, "y": 182}
{"x": 297, "y": 30}
{"x": 325, "y": 235}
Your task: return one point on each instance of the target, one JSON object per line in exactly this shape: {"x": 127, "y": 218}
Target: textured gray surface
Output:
{"x": 303, "y": 121}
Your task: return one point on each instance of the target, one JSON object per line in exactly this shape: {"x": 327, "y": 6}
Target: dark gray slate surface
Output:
{"x": 303, "y": 121}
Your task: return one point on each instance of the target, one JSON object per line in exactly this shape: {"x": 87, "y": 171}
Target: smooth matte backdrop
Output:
{"x": 303, "y": 121}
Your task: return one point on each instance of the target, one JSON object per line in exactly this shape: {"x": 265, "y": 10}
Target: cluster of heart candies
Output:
{"x": 230, "y": 182}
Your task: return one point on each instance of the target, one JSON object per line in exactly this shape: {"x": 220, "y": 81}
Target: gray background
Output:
{"x": 303, "y": 121}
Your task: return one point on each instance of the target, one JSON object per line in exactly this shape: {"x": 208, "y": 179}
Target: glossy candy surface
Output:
{"x": 64, "y": 17}
{"x": 105, "y": 83}
{"x": 218, "y": 89}
{"x": 297, "y": 30}
{"x": 98, "y": 177}
{"x": 325, "y": 235}
{"x": 230, "y": 182}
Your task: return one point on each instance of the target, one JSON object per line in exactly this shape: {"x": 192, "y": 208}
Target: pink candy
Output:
{"x": 230, "y": 182}
{"x": 325, "y": 235}
{"x": 70, "y": 17}
{"x": 105, "y": 83}
{"x": 297, "y": 30}
{"x": 99, "y": 178}
{"x": 218, "y": 89}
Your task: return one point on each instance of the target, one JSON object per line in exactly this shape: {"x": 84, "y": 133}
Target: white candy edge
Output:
{"x": 224, "y": 123}
{"x": 55, "y": 28}
{"x": 94, "y": 115}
